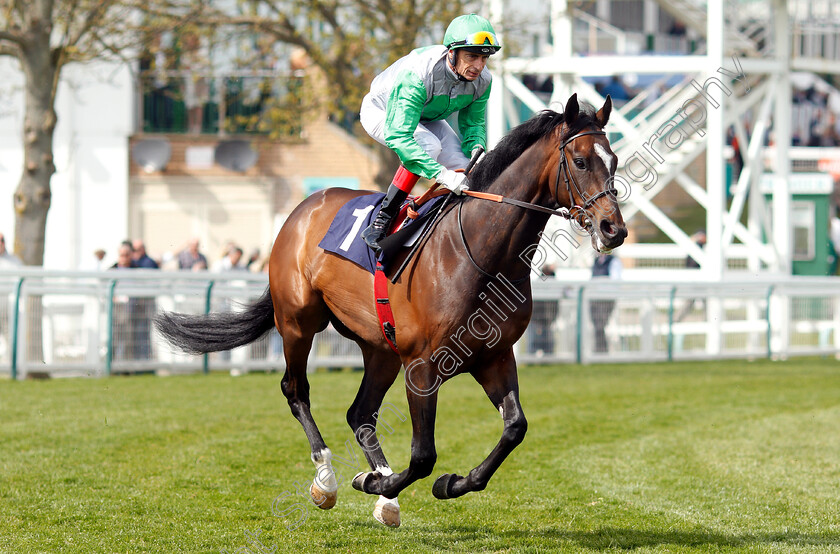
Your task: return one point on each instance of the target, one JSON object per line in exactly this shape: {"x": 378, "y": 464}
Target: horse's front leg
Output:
{"x": 500, "y": 382}
{"x": 381, "y": 369}
{"x": 421, "y": 389}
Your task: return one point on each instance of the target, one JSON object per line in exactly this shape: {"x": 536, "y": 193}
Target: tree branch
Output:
{"x": 9, "y": 50}
{"x": 9, "y": 36}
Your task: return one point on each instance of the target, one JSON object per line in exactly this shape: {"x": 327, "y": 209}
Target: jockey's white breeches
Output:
{"x": 436, "y": 138}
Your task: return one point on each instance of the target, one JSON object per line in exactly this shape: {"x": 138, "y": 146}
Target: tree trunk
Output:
{"x": 41, "y": 68}
{"x": 32, "y": 197}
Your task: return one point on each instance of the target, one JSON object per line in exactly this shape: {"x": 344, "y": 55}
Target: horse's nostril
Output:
{"x": 608, "y": 229}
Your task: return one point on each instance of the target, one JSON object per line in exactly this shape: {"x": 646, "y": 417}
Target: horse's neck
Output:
{"x": 526, "y": 178}
{"x": 500, "y": 235}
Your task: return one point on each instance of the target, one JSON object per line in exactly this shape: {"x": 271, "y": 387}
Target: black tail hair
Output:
{"x": 199, "y": 334}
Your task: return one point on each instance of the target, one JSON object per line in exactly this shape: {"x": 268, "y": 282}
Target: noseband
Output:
{"x": 576, "y": 212}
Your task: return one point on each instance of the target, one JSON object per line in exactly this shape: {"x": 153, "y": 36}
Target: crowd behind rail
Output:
{"x": 132, "y": 254}
{"x": 100, "y": 323}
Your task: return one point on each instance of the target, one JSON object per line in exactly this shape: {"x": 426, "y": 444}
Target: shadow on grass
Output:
{"x": 611, "y": 537}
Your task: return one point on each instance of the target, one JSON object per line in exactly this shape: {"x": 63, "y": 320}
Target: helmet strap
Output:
{"x": 453, "y": 59}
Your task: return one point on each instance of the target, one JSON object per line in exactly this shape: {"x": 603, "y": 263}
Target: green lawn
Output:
{"x": 683, "y": 457}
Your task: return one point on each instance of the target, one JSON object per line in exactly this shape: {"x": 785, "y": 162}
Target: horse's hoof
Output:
{"x": 323, "y": 499}
{"x": 387, "y": 511}
{"x": 442, "y": 489}
{"x": 363, "y": 480}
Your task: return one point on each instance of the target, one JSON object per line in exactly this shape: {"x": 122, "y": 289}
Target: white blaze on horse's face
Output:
{"x": 607, "y": 157}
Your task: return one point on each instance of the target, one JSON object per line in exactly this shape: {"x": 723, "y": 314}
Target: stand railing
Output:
{"x": 96, "y": 324}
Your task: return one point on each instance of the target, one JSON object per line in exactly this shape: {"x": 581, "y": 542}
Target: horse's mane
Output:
{"x": 520, "y": 139}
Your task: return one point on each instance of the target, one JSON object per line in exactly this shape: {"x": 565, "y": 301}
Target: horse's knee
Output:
{"x": 353, "y": 419}
{"x": 515, "y": 430}
{"x": 286, "y": 387}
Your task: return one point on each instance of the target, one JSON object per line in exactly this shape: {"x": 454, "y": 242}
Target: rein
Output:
{"x": 470, "y": 256}
{"x": 562, "y": 212}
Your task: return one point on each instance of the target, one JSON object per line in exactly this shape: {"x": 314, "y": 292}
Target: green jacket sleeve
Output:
{"x": 402, "y": 115}
{"x": 472, "y": 124}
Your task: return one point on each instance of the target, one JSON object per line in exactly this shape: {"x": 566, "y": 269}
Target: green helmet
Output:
{"x": 473, "y": 33}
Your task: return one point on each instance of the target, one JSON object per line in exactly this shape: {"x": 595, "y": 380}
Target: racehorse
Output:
{"x": 463, "y": 302}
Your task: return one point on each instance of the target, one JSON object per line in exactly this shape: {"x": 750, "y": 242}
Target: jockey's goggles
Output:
{"x": 480, "y": 38}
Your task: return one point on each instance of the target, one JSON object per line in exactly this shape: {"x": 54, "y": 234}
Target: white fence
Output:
{"x": 73, "y": 324}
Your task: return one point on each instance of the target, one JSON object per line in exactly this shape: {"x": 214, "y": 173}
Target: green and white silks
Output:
{"x": 408, "y": 102}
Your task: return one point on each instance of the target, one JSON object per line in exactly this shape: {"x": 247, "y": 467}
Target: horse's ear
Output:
{"x": 572, "y": 109}
{"x": 603, "y": 114}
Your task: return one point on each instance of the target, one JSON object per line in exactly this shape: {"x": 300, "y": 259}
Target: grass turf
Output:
{"x": 683, "y": 457}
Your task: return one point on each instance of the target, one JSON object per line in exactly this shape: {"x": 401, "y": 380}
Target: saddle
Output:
{"x": 410, "y": 222}
{"x": 343, "y": 237}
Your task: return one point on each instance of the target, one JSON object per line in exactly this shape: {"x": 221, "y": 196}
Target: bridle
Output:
{"x": 576, "y": 212}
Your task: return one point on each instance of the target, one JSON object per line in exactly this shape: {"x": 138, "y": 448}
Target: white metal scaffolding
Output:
{"x": 740, "y": 80}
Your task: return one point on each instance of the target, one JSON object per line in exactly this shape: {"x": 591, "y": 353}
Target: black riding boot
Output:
{"x": 390, "y": 206}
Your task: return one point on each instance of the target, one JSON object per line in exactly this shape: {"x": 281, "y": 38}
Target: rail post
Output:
{"x": 109, "y": 340}
{"x": 671, "y": 323}
{"x": 767, "y": 317}
{"x": 207, "y": 298}
{"x": 579, "y": 327}
{"x": 15, "y": 326}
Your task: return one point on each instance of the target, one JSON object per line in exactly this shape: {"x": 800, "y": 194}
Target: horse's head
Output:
{"x": 585, "y": 174}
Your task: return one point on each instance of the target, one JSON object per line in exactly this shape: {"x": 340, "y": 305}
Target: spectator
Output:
{"x": 143, "y": 309}
{"x": 605, "y": 266}
{"x": 616, "y": 89}
{"x": 677, "y": 29}
{"x": 7, "y": 259}
{"x": 834, "y": 238}
{"x": 191, "y": 258}
{"x": 737, "y": 158}
{"x": 124, "y": 312}
{"x": 254, "y": 261}
{"x": 125, "y": 257}
{"x": 195, "y": 62}
{"x": 231, "y": 262}
{"x": 141, "y": 258}
{"x": 159, "y": 93}
{"x": 98, "y": 261}
{"x": 699, "y": 239}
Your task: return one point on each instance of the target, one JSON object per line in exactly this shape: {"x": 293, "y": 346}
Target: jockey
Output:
{"x": 408, "y": 103}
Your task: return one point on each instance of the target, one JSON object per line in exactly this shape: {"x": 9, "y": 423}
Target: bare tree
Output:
{"x": 44, "y": 36}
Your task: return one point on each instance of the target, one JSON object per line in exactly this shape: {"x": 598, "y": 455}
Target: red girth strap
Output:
{"x": 383, "y": 307}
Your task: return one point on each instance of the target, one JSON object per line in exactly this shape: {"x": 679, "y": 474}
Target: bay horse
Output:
{"x": 461, "y": 305}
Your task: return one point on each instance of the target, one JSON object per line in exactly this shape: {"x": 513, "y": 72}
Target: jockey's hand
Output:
{"x": 454, "y": 181}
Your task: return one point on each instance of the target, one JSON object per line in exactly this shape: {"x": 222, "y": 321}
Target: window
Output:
{"x": 802, "y": 220}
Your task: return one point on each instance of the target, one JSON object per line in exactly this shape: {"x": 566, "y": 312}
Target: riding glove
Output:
{"x": 456, "y": 182}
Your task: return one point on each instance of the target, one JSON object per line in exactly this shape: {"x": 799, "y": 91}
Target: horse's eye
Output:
{"x": 579, "y": 163}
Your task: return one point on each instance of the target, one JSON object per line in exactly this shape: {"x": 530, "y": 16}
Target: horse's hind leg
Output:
{"x": 421, "y": 390}
{"x": 381, "y": 369}
{"x": 500, "y": 382}
{"x": 297, "y": 333}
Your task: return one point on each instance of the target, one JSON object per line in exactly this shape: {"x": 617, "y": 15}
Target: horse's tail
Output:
{"x": 198, "y": 334}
